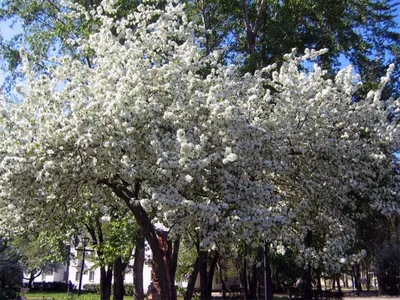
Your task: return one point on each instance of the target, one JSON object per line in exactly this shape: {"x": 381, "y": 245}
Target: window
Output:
{"x": 77, "y": 276}
{"x": 91, "y": 276}
{"x": 49, "y": 272}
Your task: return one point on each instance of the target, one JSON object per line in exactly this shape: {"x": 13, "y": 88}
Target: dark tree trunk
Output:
{"x": 368, "y": 280}
{"x": 306, "y": 277}
{"x": 139, "y": 256}
{"x": 32, "y": 277}
{"x": 319, "y": 284}
{"x": 96, "y": 234}
{"x": 105, "y": 283}
{"x": 119, "y": 270}
{"x": 172, "y": 261}
{"x": 267, "y": 272}
{"x": 381, "y": 285}
{"x": 123, "y": 190}
{"x": 210, "y": 276}
{"x": 338, "y": 284}
{"x": 243, "y": 278}
{"x": 192, "y": 278}
{"x": 357, "y": 277}
{"x": 223, "y": 284}
{"x": 253, "y": 282}
{"x": 204, "y": 276}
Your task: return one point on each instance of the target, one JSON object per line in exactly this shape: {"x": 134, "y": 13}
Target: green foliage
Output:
{"x": 95, "y": 288}
{"x": 121, "y": 234}
{"x": 49, "y": 286}
{"x": 187, "y": 256}
{"x": 286, "y": 268}
{"x": 40, "y": 251}
{"x": 10, "y": 268}
{"x": 6, "y": 294}
{"x": 388, "y": 267}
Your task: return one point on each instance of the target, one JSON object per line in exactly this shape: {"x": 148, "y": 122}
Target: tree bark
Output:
{"x": 122, "y": 190}
{"x": 138, "y": 264}
{"x": 96, "y": 234}
{"x": 243, "y": 278}
{"x": 192, "y": 278}
{"x": 203, "y": 276}
{"x": 253, "y": 282}
{"x": 172, "y": 261}
{"x": 119, "y": 270}
{"x": 357, "y": 277}
{"x": 32, "y": 277}
{"x": 210, "y": 277}
{"x": 306, "y": 277}
{"x": 105, "y": 283}
{"x": 223, "y": 284}
{"x": 267, "y": 272}
{"x": 338, "y": 284}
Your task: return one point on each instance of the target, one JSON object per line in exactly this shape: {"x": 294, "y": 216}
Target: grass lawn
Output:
{"x": 61, "y": 295}
{"x": 88, "y": 296}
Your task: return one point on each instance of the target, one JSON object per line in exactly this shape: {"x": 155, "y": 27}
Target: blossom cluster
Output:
{"x": 234, "y": 157}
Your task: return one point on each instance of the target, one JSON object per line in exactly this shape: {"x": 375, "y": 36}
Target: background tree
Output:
{"x": 40, "y": 252}
{"x": 11, "y": 270}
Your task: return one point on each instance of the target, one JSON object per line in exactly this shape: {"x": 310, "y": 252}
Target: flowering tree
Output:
{"x": 180, "y": 139}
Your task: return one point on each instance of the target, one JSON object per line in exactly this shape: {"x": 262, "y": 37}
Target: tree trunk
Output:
{"x": 223, "y": 284}
{"x": 119, "y": 270}
{"x": 381, "y": 285}
{"x": 210, "y": 277}
{"x": 338, "y": 284}
{"x": 122, "y": 190}
{"x": 192, "y": 278}
{"x": 357, "y": 277}
{"x": 139, "y": 256}
{"x": 32, "y": 277}
{"x": 368, "y": 280}
{"x": 172, "y": 261}
{"x": 243, "y": 278}
{"x": 319, "y": 284}
{"x": 306, "y": 277}
{"x": 267, "y": 272}
{"x": 204, "y": 276}
{"x": 253, "y": 282}
{"x": 105, "y": 283}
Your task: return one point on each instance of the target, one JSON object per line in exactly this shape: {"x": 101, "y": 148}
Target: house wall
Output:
{"x": 53, "y": 276}
{"x": 91, "y": 274}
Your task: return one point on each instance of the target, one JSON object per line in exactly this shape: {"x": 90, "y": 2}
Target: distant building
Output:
{"x": 91, "y": 275}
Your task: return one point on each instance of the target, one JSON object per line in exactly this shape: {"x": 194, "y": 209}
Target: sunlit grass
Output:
{"x": 61, "y": 295}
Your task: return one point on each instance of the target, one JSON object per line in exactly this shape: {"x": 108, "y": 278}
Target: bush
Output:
{"x": 92, "y": 287}
{"x": 388, "y": 268}
{"x": 50, "y": 286}
{"x": 6, "y": 294}
{"x": 95, "y": 288}
{"x": 128, "y": 289}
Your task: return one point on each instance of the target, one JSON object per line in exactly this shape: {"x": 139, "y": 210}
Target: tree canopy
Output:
{"x": 139, "y": 117}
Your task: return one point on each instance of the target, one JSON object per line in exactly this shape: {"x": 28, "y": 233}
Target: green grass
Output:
{"x": 63, "y": 296}
{"x": 60, "y": 296}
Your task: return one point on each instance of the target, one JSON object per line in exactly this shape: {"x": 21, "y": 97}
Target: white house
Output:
{"x": 91, "y": 275}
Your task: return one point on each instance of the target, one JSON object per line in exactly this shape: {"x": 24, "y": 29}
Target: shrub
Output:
{"x": 92, "y": 287}
{"x": 50, "y": 286}
{"x": 95, "y": 288}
